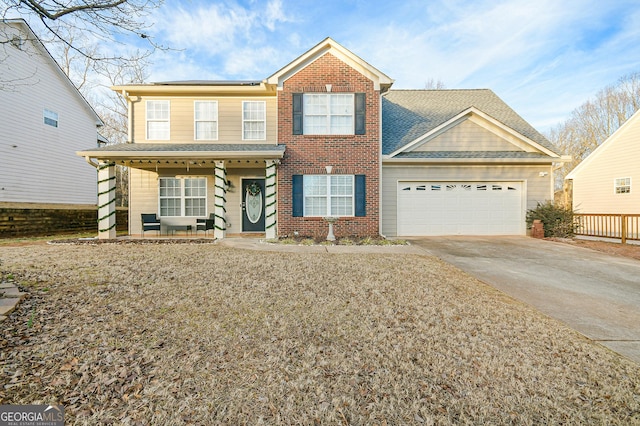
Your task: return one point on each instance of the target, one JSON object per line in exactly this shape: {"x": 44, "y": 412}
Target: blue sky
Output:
{"x": 543, "y": 57}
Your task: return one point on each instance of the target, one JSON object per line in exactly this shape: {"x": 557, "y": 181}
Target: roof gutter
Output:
{"x": 469, "y": 160}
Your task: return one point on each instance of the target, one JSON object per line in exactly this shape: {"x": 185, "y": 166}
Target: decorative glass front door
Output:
{"x": 253, "y": 205}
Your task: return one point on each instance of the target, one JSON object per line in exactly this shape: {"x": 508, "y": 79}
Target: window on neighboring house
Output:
{"x": 329, "y": 113}
{"x": 50, "y": 118}
{"x": 206, "y": 120}
{"x": 254, "y": 118}
{"x": 622, "y": 185}
{"x": 328, "y": 195}
{"x": 158, "y": 120}
{"x": 183, "y": 196}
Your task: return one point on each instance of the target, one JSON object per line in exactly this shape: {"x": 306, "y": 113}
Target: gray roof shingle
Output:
{"x": 409, "y": 114}
{"x": 189, "y": 147}
{"x": 520, "y": 155}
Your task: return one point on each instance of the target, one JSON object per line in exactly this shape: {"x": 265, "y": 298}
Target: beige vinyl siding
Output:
{"x": 182, "y": 123}
{"x": 593, "y": 186}
{"x": 143, "y": 186}
{"x": 468, "y": 136}
{"x": 38, "y": 162}
{"x": 538, "y": 188}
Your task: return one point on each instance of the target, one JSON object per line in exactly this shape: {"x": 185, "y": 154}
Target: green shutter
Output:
{"x": 297, "y": 113}
{"x": 360, "y": 108}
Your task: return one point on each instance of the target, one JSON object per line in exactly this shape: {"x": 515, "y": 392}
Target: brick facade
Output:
{"x": 348, "y": 154}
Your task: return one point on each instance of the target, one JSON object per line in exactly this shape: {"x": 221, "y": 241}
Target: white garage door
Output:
{"x": 460, "y": 208}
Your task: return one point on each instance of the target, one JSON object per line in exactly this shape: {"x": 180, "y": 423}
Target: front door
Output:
{"x": 252, "y": 205}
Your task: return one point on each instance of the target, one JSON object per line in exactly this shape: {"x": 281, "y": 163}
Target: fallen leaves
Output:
{"x": 200, "y": 334}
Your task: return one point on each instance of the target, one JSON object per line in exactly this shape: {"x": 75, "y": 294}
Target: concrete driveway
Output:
{"x": 592, "y": 292}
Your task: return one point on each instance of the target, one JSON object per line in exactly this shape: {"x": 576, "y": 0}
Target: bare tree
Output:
{"x": 432, "y": 84}
{"x": 106, "y": 22}
{"x": 594, "y": 121}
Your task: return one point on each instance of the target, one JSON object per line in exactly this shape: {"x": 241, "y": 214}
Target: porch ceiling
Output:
{"x": 182, "y": 152}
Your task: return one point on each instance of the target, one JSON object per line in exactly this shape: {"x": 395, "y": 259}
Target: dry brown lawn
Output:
{"x": 203, "y": 334}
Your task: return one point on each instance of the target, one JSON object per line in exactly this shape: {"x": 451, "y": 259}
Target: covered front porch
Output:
{"x": 227, "y": 188}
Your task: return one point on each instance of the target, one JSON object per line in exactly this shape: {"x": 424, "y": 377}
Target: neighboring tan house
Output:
{"x": 44, "y": 121}
{"x": 603, "y": 183}
{"x": 325, "y": 137}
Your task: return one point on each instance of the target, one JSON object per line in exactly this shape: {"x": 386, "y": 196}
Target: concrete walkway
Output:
{"x": 10, "y": 296}
{"x": 592, "y": 292}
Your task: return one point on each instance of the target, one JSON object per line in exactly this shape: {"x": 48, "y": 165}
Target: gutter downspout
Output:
{"x": 88, "y": 160}
{"x": 125, "y": 94}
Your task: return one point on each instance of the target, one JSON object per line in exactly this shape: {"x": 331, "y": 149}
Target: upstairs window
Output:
{"x": 622, "y": 185}
{"x": 329, "y": 113}
{"x": 50, "y": 118}
{"x": 158, "y": 120}
{"x": 254, "y": 120}
{"x": 206, "y": 120}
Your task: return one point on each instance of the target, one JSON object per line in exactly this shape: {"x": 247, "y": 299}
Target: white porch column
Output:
{"x": 106, "y": 201}
{"x": 220, "y": 200}
{"x": 270, "y": 226}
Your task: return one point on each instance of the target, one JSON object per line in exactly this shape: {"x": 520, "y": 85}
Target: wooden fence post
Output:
{"x": 623, "y": 228}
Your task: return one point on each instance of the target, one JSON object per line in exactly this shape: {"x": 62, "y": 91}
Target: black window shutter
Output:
{"x": 361, "y": 198}
{"x": 360, "y": 108}
{"x": 297, "y": 198}
{"x": 297, "y": 113}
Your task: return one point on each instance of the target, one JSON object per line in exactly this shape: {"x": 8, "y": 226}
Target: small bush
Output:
{"x": 557, "y": 219}
{"x": 346, "y": 241}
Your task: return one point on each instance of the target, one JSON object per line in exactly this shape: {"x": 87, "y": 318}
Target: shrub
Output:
{"x": 557, "y": 219}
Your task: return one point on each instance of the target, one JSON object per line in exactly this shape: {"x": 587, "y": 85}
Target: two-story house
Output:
{"x": 325, "y": 137}
{"x": 44, "y": 120}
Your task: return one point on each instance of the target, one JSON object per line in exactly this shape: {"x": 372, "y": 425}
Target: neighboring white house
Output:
{"x": 608, "y": 180}
{"x": 44, "y": 121}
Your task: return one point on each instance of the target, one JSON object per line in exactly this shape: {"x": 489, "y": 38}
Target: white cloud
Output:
{"x": 543, "y": 58}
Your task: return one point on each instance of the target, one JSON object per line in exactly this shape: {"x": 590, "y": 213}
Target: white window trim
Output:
{"x": 617, "y": 185}
{"x": 183, "y": 197}
{"x": 352, "y": 130}
{"x": 264, "y": 120}
{"x": 168, "y": 120}
{"x": 195, "y": 121}
{"x": 47, "y": 114}
{"x": 329, "y": 197}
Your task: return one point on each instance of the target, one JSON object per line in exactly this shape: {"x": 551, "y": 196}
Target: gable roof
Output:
{"x": 380, "y": 80}
{"x": 408, "y": 115}
{"x": 604, "y": 146}
{"x": 33, "y": 38}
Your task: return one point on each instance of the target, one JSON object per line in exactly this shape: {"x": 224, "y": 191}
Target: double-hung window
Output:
{"x": 622, "y": 185}
{"x": 329, "y": 113}
{"x": 254, "y": 120}
{"x": 50, "y": 118}
{"x": 328, "y": 195}
{"x": 206, "y": 120}
{"x": 183, "y": 196}
{"x": 158, "y": 120}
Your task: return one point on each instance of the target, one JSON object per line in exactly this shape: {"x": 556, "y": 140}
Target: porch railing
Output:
{"x": 622, "y": 226}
